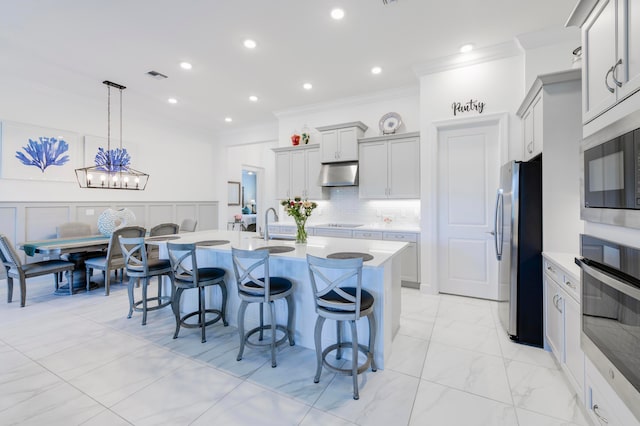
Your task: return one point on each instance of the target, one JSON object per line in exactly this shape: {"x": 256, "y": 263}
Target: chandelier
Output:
{"x": 112, "y": 168}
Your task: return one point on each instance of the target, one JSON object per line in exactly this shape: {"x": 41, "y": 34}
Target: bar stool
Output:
{"x": 138, "y": 266}
{"x": 338, "y": 302}
{"x": 266, "y": 289}
{"x": 188, "y": 275}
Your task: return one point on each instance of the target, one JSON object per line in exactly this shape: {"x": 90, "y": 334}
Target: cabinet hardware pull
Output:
{"x": 595, "y": 411}
{"x": 613, "y": 74}
{"x": 555, "y": 300}
{"x": 570, "y": 284}
{"x": 558, "y": 305}
{"x": 606, "y": 83}
{"x": 550, "y": 269}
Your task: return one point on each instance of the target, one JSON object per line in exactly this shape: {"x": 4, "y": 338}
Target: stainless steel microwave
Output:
{"x": 611, "y": 181}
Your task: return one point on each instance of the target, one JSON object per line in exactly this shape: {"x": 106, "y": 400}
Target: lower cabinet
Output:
{"x": 562, "y": 322}
{"x": 603, "y": 405}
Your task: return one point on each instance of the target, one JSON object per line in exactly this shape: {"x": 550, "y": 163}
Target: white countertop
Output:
{"x": 317, "y": 246}
{"x": 565, "y": 260}
{"x": 383, "y": 227}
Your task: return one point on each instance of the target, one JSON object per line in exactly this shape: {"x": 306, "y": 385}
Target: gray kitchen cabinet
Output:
{"x": 390, "y": 167}
{"x": 297, "y": 170}
{"x": 339, "y": 142}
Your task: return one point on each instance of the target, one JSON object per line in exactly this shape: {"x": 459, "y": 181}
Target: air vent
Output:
{"x": 157, "y": 75}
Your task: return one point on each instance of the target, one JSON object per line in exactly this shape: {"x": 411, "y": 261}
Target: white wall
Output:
{"x": 368, "y": 110}
{"x": 500, "y": 84}
{"x": 177, "y": 159}
{"x": 547, "y": 59}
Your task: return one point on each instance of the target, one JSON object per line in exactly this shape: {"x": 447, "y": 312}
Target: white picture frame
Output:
{"x": 15, "y": 138}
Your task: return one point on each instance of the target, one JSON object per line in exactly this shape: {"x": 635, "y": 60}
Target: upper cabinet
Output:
{"x": 339, "y": 142}
{"x": 297, "y": 171}
{"x": 532, "y": 128}
{"x": 390, "y": 166}
{"x": 611, "y": 57}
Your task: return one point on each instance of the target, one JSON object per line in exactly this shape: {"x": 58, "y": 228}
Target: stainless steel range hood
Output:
{"x": 339, "y": 174}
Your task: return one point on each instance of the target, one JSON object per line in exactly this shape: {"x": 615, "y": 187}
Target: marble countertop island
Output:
{"x": 381, "y": 277}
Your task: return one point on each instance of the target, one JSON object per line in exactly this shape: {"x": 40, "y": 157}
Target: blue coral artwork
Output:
{"x": 113, "y": 160}
{"x": 44, "y": 152}
{"x": 38, "y": 153}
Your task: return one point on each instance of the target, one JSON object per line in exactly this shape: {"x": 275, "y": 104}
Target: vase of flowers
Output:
{"x": 300, "y": 210}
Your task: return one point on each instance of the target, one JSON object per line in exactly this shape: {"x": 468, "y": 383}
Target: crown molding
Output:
{"x": 403, "y": 92}
{"x": 478, "y": 56}
{"x": 580, "y": 13}
{"x": 549, "y": 37}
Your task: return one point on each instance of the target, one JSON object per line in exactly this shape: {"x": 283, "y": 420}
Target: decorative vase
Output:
{"x": 112, "y": 219}
{"x": 301, "y": 233}
{"x": 295, "y": 140}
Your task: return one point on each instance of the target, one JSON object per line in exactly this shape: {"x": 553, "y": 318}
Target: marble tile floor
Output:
{"x": 79, "y": 361}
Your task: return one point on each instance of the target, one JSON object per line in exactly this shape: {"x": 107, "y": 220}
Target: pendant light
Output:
{"x": 112, "y": 168}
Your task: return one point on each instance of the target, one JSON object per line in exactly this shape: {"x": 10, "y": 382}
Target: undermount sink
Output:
{"x": 279, "y": 238}
{"x": 277, "y": 249}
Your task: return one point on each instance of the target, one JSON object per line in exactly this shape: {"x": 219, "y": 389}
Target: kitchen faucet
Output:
{"x": 266, "y": 221}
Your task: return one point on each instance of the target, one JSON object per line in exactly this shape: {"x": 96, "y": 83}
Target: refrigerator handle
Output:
{"x": 497, "y": 228}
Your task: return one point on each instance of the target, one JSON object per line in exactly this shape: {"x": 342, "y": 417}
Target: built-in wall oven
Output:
{"x": 610, "y": 331}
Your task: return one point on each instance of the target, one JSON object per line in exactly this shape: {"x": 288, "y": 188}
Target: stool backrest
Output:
{"x": 115, "y": 251}
{"x": 10, "y": 257}
{"x": 329, "y": 277}
{"x": 135, "y": 256}
{"x": 251, "y": 268}
{"x": 164, "y": 229}
{"x": 183, "y": 261}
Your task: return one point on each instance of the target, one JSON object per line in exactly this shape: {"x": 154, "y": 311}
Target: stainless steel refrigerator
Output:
{"x": 518, "y": 243}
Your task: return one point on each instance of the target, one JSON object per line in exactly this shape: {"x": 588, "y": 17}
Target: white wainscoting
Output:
{"x": 23, "y": 221}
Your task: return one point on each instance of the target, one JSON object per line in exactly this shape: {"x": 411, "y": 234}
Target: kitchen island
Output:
{"x": 380, "y": 276}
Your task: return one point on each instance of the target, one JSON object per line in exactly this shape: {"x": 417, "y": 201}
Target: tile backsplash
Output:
{"x": 344, "y": 206}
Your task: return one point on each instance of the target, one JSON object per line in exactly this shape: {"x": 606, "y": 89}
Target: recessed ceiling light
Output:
{"x": 172, "y": 100}
{"x": 466, "y": 48}
{"x": 185, "y": 65}
{"x": 228, "y": 119}
{"x": 250, "y": 44}
{"x": 307, "y": 86}
{"x": 253, "y": 98}
{"x": 337, "y": 14}
{"x": 376, "y": 70}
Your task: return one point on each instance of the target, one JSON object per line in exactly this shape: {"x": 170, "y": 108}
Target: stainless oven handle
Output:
{"x": 609, "y": 280}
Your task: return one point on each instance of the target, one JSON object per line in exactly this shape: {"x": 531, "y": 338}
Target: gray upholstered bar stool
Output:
{"x": 139, "y": 267}
{"x": 338, "y": 293}
{"x": 188, "y": 275}
{"x": 153, "y": 252}
{"x": 251, "y": 269}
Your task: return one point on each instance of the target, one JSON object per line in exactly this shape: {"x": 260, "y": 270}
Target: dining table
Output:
{"x": 78, "y": 250}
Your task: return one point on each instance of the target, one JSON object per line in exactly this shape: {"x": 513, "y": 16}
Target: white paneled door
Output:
{"x": 468, "y": 175}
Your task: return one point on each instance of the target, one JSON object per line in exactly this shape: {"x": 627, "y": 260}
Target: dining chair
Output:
{"x": 188, "y": 225}
{"x": 338, "y": 294}
{"x": 73, "y": 229}
{"x": 139, "y": 267}
{"x": 188, "y": 275}
{"x": 255, "y": 285}
{"x": 153, "y": 252}
{"x": 113, "y": 261}
{"x": 16, "y": 269}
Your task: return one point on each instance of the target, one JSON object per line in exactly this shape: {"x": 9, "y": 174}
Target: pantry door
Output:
{"x": 468, "y": 177}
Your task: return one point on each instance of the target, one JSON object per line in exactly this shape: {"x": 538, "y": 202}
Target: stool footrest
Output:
{"x": 347, "y": 371}
{"x": 185, "y": 324}
{"x": 164, "y": 301}
{"x": 265, "y": 342}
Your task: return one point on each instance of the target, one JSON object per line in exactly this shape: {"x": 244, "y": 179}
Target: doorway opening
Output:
{"x": 251, "y": 197}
